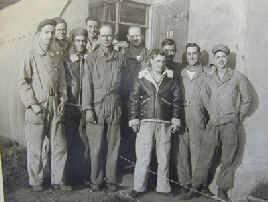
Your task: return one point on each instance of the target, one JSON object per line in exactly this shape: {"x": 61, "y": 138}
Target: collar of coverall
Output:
{"x": 41, "y": 51}
{"x": 227, "y": 76}
{"x": 198, "y": 71}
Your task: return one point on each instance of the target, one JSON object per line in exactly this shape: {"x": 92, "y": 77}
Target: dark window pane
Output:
{"x": 102, "y": 11}
{"x": 131, "y": 12}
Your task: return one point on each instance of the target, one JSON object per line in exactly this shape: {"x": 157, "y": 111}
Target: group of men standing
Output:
{"x": 88, "y": 86}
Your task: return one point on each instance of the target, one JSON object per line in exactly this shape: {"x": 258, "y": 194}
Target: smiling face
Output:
{"x": 80, "y": 43}
{"x": 46, "y": 35}
{"x": 220, "y": 58}
{"x": 106, "y": 36}
{"x": 61, "y": 31}
{"x": 158, "y": 63}
{"x": 93, "y": 29}
{"x": 135, "y": 36}
{"x": 192, "y": 55}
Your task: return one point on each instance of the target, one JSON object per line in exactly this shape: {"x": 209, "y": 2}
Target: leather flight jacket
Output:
{"x": 149, "y": 100}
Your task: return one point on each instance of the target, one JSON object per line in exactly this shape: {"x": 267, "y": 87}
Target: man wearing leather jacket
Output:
{"x": 154, "y": 114}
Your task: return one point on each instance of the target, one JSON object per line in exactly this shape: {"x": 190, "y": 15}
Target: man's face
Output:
{"x": 170, "y": 51}
{"x": 220, "y": 59}
{"x": 93, "y": 29}
{"x": 158, "y": 63}
{"x": 80, "y": 43}
{"x": 106, "y": 36}
{"x": 192, "y": 55}
{"x": 134, "y": 36}
{"x": 46, "y": 34}
{"x": 60, "y": 31}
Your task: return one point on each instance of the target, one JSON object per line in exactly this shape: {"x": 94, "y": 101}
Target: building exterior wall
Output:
{"x": 242, "y": 25}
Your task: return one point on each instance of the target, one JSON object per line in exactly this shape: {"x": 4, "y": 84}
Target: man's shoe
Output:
{"x": 111, "y": 187}
{"x": 133, "y": 194}
{"x": 37, "y": 188}
{"x": 188, "y": 195}
{"x": 205, "y": 190}
{"x": 223, "y": 194}
{"x": 95, "y": 188}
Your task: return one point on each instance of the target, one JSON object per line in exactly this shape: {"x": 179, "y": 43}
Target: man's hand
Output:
{"x": 90, "y": 116}
{"x": 174, "y": 128}
{"x": 36, "y": 108}
{"x": 60, "y": 109}
{"x": 136, "y": 128}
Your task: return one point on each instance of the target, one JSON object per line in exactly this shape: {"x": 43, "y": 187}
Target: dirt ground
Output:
{"x": 17, "y": 190}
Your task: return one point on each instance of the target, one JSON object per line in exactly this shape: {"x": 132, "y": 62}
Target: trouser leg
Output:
{"x": 34, "y": 137}
{"x": 229, "y": 139}
{"x": 163, "y": 146}
{"x": 209, "y": 143}
{"x": 144, "y": 146}
{"x": 182, "y": 159}
{"x": 113, "y": 140}
{"x": 95, "y": 134}
{"x": 195, "y": 141}
{"x": 58, "y": 152}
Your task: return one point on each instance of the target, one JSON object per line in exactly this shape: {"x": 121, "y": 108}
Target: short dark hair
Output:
{"x": 90, "y": 18}
{"x": 60, "y": 20}
{"x": 193, "y": 45}
{"x": 156, "y": 51}
{"x": 169, "y": 42}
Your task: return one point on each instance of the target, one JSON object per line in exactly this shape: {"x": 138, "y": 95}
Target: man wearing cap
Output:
{"x": 135, "y": 55}
{"x": 101, "y": 104}
{"x": 226, "y": 98}
{"x": 73, "y": 109}
{"x": 42, "y": 90}
{"x": 60, "y": 43}
{"x": 92, "y": 26}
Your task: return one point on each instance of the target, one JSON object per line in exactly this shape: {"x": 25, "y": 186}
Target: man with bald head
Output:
{"x": 135, "y": 55}
{"x": 101, "y": 105}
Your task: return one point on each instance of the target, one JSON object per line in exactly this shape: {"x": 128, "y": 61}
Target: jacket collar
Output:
{"x": 146, "y": 74}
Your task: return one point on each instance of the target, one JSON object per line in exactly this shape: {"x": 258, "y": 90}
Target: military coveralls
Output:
{"x": 42, "y": 82}
{"x": 228, "y": 102}
{"x": 100, "y": 92}
{"x": 194, "y": 115}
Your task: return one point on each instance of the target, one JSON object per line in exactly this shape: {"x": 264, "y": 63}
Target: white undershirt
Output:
{"x": 190, "y": 74}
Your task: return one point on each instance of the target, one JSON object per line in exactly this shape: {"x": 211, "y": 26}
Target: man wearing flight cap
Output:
{"x": 42, "y": 90}
{"x": 73, "y": 108}
{"x": 227, "y": 100}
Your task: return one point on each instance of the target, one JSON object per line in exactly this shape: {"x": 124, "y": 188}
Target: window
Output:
{"x": 121, "y": 14}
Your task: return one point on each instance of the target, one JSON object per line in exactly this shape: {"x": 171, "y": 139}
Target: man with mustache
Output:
{"x": 135, "y": 55}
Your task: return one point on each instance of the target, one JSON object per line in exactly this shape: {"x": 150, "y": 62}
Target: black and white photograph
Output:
{"x": 133, "y": 100}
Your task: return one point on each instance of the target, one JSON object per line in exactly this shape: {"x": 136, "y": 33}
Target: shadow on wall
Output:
{"x": 232, "y": 62}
